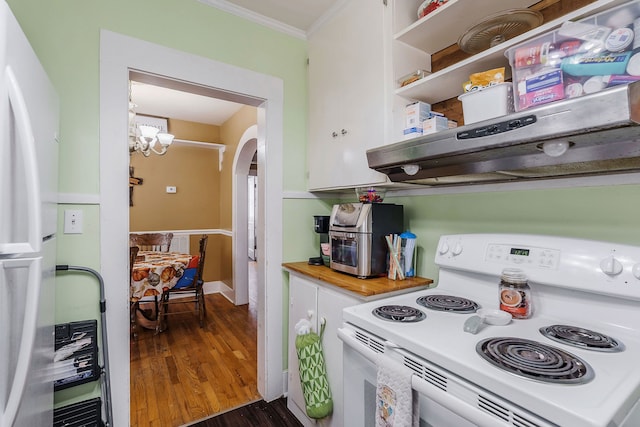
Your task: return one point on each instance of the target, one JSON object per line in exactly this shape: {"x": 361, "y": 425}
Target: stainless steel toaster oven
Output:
{"x": 356, "y": 236}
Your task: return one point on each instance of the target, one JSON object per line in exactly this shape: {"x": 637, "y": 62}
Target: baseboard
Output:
{"x": 219, "y": 287}
{"x": 285, "y": 383}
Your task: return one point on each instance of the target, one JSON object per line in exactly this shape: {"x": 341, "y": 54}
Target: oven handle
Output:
{"x": 452, "y": 403}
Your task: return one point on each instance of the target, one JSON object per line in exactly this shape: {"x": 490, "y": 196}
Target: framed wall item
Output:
{"x": 157, "y": 122}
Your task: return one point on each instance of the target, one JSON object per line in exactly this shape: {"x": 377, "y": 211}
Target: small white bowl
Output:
{"x": 494, "y": 317}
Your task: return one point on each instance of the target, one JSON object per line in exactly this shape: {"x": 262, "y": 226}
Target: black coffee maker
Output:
{"x": 321, "y": 226}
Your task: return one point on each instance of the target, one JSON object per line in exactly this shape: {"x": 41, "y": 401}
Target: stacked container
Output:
{"x": 579, "y": 58}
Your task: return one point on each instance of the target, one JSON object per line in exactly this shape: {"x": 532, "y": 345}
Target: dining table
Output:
{"x": 155, "y": 272}
{"x": 152, "y": 274}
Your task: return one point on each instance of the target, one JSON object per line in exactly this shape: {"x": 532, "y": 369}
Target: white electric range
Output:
{"x": 588, "y": 291}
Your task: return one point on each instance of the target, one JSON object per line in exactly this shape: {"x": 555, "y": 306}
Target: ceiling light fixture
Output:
{"x": 143, "y": 139}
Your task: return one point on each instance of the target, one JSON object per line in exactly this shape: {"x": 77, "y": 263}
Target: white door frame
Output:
{"x": 119, "y": 55}
{"x": 247, "y": 146}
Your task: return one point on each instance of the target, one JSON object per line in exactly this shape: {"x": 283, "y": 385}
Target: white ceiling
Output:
{"x": 294, "y": 17}
{"x": 163, "y": 102}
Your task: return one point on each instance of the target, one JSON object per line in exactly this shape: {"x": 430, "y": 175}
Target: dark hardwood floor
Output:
{"x": 256, "y": 414}
{"x": 187, "y": 373}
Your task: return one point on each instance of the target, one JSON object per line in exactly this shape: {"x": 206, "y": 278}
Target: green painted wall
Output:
{"x": 65, "y": 35}
{"x": 609, "y": 213}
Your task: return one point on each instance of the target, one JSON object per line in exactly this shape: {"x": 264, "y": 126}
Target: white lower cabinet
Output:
{"x": 308, "y": 299}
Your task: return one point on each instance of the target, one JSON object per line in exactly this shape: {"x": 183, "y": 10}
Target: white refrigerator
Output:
{"x": 29, "y": 111}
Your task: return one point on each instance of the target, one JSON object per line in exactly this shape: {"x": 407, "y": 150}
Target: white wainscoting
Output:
{"x": 180, "y": 243}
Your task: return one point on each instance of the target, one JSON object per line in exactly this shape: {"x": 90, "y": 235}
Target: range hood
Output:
{"x": 589, "y": 135}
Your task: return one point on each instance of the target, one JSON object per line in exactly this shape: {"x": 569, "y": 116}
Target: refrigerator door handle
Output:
{"x": 28, "y": 148}
{"x": 27, "y": 340}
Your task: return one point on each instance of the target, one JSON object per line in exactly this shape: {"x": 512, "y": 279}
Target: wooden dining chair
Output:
{"x": 192, "y": 289}
{"x": 159, "y": 242}
{"x": 133, "y": 306}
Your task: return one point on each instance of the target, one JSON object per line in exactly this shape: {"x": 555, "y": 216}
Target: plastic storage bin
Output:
{"x": 487, "y": 103}
{"x": 578, "y": 58}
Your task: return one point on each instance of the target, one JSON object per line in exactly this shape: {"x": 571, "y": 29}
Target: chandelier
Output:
{"x": 143, "y": 138}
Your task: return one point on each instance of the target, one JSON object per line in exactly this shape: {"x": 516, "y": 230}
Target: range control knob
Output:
{"x": 611, "y": 266}
{"x": 457, "y": 249}
{"x": 444, "y": 248}
{"x": 636, "y": 270}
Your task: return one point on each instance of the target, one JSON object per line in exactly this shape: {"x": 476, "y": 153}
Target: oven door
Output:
{"x": 445, "y": 401}
{"x": 351, "y": 252}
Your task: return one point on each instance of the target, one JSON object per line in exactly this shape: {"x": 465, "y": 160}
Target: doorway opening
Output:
{"x": 119, "y": 55}
{"x": 204, "y": 186}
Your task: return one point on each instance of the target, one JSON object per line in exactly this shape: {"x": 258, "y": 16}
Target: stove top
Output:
{"x": 582, "y": 338}
{"x": 398, "y": 313}
{"x": 584, "y": 327}
{"x": 449, "y": 303}
{"x": 535, "y": 360}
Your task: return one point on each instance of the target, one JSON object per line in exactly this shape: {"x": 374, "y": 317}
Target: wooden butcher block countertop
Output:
{"x": 368, "y": 289}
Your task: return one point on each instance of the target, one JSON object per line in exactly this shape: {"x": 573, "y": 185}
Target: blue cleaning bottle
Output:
{"x": 408, "y": 244}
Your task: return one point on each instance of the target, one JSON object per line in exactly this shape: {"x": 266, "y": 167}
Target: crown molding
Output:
{"x": 256, "y": 17}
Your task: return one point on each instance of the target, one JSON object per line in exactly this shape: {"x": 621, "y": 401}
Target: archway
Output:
{"x": 247, "y": 147}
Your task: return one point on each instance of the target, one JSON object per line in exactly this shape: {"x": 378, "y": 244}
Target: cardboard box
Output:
{"x": 416, "y": 113}
{"x": 540, "y": 89}
{"x": 412, "y": 132}
{"x": 435, "y": 124}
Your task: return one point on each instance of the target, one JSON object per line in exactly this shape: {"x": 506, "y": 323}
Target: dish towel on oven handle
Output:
{"x": 313, "y": 371}
{"x": 396, "y": 403}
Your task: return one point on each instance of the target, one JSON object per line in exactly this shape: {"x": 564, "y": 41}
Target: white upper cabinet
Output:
{"x": 350, "y": 94}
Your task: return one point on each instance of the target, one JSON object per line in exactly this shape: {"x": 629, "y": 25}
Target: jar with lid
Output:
{"x": 515, "y": 293}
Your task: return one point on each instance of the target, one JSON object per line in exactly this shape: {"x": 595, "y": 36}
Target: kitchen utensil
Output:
{"x": 488, "y": 316}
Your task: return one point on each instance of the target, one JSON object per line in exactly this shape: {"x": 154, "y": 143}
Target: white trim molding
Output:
{"x": 78, "y": 199}
{"x": 252, "y": 16}
{"x": 119, "y": 55}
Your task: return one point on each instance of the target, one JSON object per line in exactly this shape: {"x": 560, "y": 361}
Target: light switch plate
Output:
{"x": 171, "y": 189}
{"x": 72, "y": 221}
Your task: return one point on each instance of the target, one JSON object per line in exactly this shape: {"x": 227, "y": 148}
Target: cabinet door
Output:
{"x": 330, "y": 305}
{"x": 302, "y": 305}
{"x": 349, "y": 93}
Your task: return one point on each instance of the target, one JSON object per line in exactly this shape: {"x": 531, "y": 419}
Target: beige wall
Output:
{"x": 193, "y": 131}
{"x": 204, "y": 194}
{"x": 195, "y": 205}
{"x": 230, "y": 133}
{"x": 192, "y": 170}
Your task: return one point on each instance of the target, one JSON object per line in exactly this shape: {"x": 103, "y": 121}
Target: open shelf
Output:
{"x": 447, "y": 83}
{"x": 433, "y": 32}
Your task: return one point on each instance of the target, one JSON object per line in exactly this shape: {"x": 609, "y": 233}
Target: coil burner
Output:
{"x": 534, "y": 360}
{"x": 399, "y": 313}
{"x": 448, "y": 303}
{"x": 582, "y": 338}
